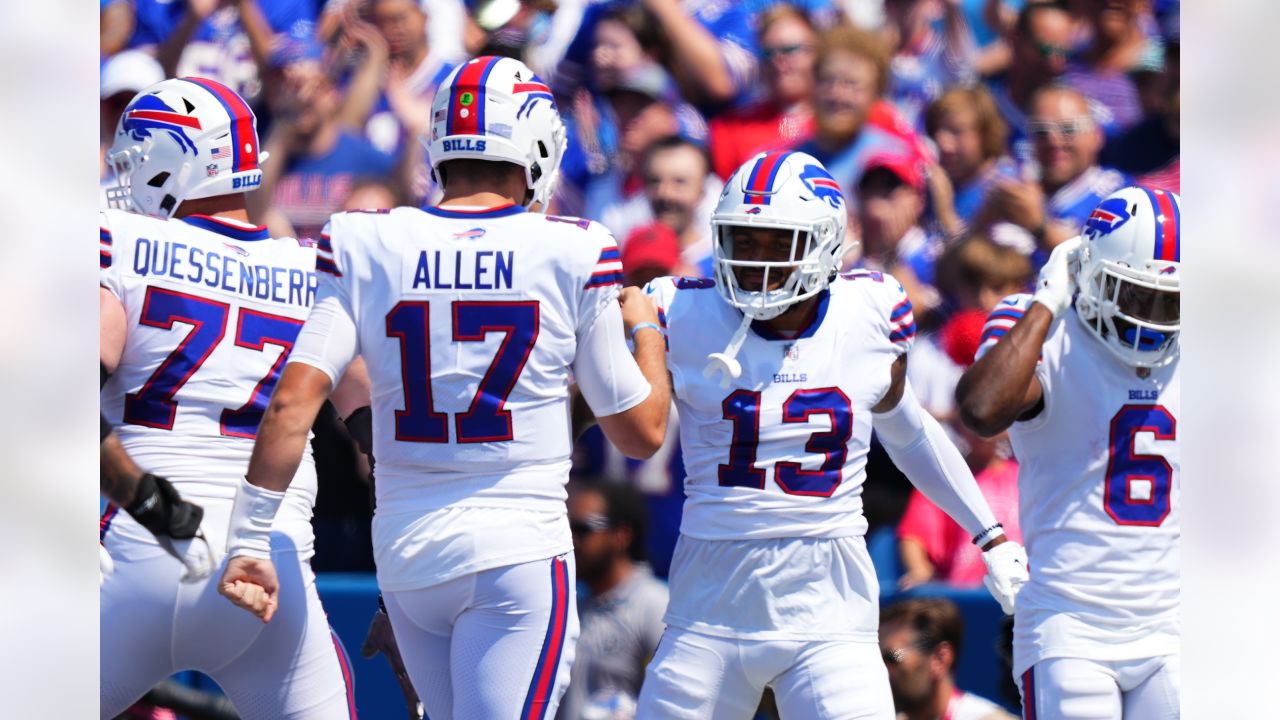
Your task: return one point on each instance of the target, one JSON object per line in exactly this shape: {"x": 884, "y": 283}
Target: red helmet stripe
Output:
{"x": 243, "y": 135}
{"x": 467, "y": 98}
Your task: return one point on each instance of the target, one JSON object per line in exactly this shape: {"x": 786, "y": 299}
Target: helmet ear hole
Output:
{"x": 542, "y": 148}
{"x": 158, "y": 180}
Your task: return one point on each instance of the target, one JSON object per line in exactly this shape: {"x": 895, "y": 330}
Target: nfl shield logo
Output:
{"x": 211, "y": 169}
{"x": 793, "y": 352}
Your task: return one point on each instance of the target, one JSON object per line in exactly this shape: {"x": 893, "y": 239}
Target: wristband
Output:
{"x": 251, "y": 518}
{"x": 988, "y": 535}
{"x": 643, "y": 326}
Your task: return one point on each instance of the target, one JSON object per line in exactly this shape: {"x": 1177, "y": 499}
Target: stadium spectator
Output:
{"x": 920, "y": 641}
{"x": 116, "y": 19}
{"x": 652, "y": 251}
{"x": 925, "y": 61}
{"x": 225, "y": 40}
{"x": 316, "y": 156}
{"x": 1040, "y": 43}
{"x": 413, "y": 62}
{"x": 851, "y": 74}
{"x": 1151, "y": 148}
{"x": 713, "y": 49}
{"x": 679, "y": 192}
{"x": 1120, "y": 48}
{"x": 604, "y": 166}
{"x": 1067, "y": 142}
{"x": 973, "y": 274}
{"x": 788, "y": 49}
{"x": 972, "y": 146}
{"x": 621, "y": 618}
{"x": 891, "y": 199}
{"x": 122, "y": 76}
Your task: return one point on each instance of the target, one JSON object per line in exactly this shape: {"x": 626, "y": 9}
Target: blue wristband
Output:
{"x": 643, "y": 326}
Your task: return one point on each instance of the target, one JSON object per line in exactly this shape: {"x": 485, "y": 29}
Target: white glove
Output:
{"x": 106, "y": 565}
{"x": 1056, "y": 285}
{"x": 1006, "y": 573}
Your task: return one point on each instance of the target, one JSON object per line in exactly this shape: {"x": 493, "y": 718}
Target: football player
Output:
{"x": 1084, "y": 374}
{"x": 771, "y": 583}
{"x": 474, "y": 317}
{"x": 199, "y": 310}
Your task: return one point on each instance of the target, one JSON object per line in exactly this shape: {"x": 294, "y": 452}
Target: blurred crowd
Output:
{"x": 969, "y": 137}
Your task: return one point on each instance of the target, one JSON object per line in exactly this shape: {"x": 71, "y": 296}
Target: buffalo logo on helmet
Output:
{"x": 822, "y": 185}
{"x": 1108, "y": 216}
{"x": 149, "y": 113}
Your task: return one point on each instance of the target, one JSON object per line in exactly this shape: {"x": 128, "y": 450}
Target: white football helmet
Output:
{"x": 1128, "y": 277}
{"x": 786, "y": 190}
{"x": 497, "y": 109}
{"x": 183, "y": 139}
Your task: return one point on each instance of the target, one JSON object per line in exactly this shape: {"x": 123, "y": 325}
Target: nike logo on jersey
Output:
{"x": 464, "y": 270}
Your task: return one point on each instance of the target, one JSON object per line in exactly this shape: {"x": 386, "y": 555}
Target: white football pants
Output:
{"x": 1079, "y": 689}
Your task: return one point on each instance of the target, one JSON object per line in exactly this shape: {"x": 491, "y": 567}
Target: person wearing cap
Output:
{"x": 891, "y": 200}
{"x": 123, "y": 75}
{"x": 650, "y": 252}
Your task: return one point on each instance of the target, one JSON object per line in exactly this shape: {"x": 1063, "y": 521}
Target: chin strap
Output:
{"x": 725, "y": 362}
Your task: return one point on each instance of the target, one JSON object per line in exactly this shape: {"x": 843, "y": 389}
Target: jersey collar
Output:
{"x": 762, "y": 329}
{"x": 228, "y": 228}
{"x": 472, "y": 213}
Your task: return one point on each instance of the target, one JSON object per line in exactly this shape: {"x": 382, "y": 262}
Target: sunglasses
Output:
{"x": 1066, "y": 129}
{"x": 1048, "y": 51}
{"x": 588, "y": 525}
{"x": 769, "y": 53}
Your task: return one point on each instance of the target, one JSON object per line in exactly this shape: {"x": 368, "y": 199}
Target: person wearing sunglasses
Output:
{"x": 1065, "y": 142}
{"x": 621, "y": 617}
{"x": 920, "y": 642}
{"x": 788, "y": 51}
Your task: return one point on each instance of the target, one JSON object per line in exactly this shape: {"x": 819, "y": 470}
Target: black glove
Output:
{"x": 158, "y": 508}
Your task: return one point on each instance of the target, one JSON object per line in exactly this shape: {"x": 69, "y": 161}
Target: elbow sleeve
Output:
{"x": 920, "y": 448}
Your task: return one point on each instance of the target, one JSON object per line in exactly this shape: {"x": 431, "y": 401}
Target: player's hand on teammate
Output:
{"x": 1056, "y": 286}
{"x": 251, "y": 583}
{"x": 1006, "y": 573}
{"x": 637, "y": 308}
{"x": 381, "y": 639}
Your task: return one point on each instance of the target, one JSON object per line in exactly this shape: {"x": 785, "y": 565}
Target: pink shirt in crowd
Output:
{"x": 956, "y": 560}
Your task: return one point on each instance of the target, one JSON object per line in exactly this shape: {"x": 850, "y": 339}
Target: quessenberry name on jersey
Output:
{"x": 464, "y": 269}
{"x": 227, "y": 272}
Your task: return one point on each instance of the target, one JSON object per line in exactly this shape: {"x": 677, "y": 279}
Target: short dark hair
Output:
{"x": 934, "y": 620}
{"x": 672, "y": 142}
{"x": 476, "y": 169}
{"x": 623, "y": 507}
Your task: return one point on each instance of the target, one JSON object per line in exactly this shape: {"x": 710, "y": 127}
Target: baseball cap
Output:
{"x": 130, "y": 71}
{"x": 653, "y": 245}
{"x": 906, "y": 168}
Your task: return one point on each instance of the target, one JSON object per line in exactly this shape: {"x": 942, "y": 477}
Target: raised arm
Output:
{"x": 1001, "y": 387}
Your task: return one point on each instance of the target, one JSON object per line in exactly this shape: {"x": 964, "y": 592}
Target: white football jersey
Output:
{"x": 213, "y": 308}
{"x": 1099, "y": 499}
{"x": 469, "y": 323}
{"x": 782, "y": 452}
{"x": 771, "y": 543}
